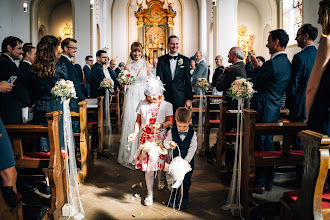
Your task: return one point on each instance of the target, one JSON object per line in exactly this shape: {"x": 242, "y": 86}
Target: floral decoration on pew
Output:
{"x": 125, "y": 78}
{"x": 241, "y": 88}
{"x": 106, "y": 83}
{"x": 202, "y": 84}
{"x": 64, "y": 89}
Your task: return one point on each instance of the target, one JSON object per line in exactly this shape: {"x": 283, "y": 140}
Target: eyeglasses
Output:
{"x": 74, "y": 48}
{"x": 91, "y": 60}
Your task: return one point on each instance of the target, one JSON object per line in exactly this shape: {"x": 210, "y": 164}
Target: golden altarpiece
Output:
{"x": 155, "y": 25}
{"x": 245, "y": 40}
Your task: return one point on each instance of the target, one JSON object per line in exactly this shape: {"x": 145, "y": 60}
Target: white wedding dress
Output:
{"x": 134, "y": 94}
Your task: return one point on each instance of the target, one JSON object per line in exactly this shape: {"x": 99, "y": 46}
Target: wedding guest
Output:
{"x": 87, "y": 71}
{"x": 253, "y": 64}
{"x": 217, "y": 73}
{"x": 153, "y": 114}
{"x": 120, "y": 68}
{"x": 237, "y": 69}
{"x": 200, "y": 70}
{"x": 270, "y": 83}
{"x": 111, "y": 75}
{"x": 81, "y": 77}
{"x": 183, "y": 136}
{"x": 112, "y": 65}
{"x": 192, "y": 67}
{"x": 261, "y": 60}
{"x": 318, "y": 89}
{"x": 97, "y": 74}
{"x": 154, "y": 66}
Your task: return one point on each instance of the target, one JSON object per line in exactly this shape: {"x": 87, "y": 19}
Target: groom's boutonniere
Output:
{"x": 180, "y": 61}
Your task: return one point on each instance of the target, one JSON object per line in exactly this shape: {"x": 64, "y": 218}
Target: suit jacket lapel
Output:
{"x": 177, "y": 68}
{"x": 168, "y": 66}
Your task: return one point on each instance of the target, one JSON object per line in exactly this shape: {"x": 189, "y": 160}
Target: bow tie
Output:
{"x": 183, "y": 133}
{"x": 173, "y": 57}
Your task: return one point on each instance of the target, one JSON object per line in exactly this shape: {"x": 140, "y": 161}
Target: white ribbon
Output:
{"x": 108, "y": 128}
{"x": 235, "y": 187}
{"x": 200, "y": 120}
{"x": 76, "y": 209}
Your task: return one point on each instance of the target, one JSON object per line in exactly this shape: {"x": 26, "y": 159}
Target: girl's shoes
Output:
{"x": 148, "y": 201}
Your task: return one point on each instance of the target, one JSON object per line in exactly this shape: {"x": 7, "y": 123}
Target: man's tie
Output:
{"x": 173, "y": 57}
{"x": 183, "y": 133}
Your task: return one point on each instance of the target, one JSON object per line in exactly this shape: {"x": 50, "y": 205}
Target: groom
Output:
{"x": 173, "y": 70}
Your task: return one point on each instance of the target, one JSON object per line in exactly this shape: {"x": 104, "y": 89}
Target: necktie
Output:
{"x": 173, "y": 57}
{"x": 183, "y": 133}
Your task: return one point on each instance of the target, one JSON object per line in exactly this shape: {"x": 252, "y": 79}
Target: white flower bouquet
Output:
{"x": 64, "y": 89}
{"x": 202, "y": 84}
{"x": 106, "y": 83}
{"x": 125, "y": 78}
{"x": 241, "y": 88}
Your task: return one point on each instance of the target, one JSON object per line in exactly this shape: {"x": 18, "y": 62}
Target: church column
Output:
{"x": 225, "y": 27}
{"x": 203, "y": 28}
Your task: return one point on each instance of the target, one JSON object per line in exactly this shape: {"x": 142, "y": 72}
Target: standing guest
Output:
{"x": 270, "y": 83}
{"x": 154, "y": 66}
{"x": 69, "y": 49}
{"x": 87, "y": 71}
{"x": 217, "y": 73}
{"x": 173, "y": 70}
{"x": 8, "y": 171}
{"x": 111, "y": 75}
{"x": 200, "y": 70}
{"x": 120, "y": 68}
{"x": 261, "y": 60}
{"x": 253, "y": 65}
{"x": 318, "y": 89}
{"x": 97, "y": 74}
{"x": 192, "y": 67}
{"x": 235, "y": 56}
{"x": 81, "y": 77}
{"x": 112, "y": 65}
{"x": 11, "y": 102}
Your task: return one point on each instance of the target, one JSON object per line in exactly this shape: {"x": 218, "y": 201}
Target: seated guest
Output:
{"x": 270, "y": 83}
{"x": 8, "y": 171}
{"x": 200, "y": 70}
{"x": 217, "y": 73}
{"x": 120, "y": 68}
{"x": 87, "y": 71}
{"x": 235, "y": 56}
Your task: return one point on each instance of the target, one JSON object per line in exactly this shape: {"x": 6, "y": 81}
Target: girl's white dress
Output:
{"x": 134, "y": 94}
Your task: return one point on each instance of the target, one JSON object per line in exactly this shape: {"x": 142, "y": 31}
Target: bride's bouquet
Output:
{"x": 241, "y": 88}
{"x": 64, "y": 89}
{"x": 106, "y": 83}
{"x": 125, "y": 78}
{"x": 202, "y": 84}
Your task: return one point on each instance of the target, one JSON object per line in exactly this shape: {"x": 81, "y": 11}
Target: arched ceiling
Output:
{"x": 266, "y": 8}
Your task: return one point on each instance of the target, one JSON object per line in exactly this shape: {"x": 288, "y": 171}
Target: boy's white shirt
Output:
{"x": 192, "y": 148}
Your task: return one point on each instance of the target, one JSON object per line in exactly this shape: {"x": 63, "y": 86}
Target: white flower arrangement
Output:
{"x": 180, "y": 61}
{"x": 241, "y": 88}
{"x": 125, "y": 78}
{"x": 202, "y": 84}
{"x": 64, "y": 89}
{"x": 106, "y": 84}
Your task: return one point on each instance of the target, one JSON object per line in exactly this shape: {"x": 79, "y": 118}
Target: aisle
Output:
{"x": 108, "y": 194}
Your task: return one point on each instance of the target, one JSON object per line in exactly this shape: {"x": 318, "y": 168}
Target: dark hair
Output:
{"x": 66, "y": 42}
{"x": 27, "y": 48}
{"x": 44, "y": 66}
{"x": 87, "y": 57}
{"x": 170, "y": 37}
{"x": 310, "y": 30}
{"x": 99, "y": 53}
{"x": 11, "y": 41}
{"x": 281, "y": 36}
{"x": 121, "y": 64}
{"x": 183, "y": 115}
{"x": 261, "y": 58}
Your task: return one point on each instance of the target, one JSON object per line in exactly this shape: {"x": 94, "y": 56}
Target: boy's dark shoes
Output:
{"x": 184, "y": 203}
{"x": 9, "y": 195}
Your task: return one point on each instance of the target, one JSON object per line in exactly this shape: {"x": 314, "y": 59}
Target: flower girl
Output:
{"x": 154, "y": 116}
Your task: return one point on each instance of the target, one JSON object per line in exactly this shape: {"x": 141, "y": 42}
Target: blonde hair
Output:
{"x": 161, "y": 98}
{"x": 136, "y": 46}
{"x": 183, "y": 115}
{"x": 325, "y": 11}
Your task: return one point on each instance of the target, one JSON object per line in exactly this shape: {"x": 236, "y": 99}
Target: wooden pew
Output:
{"x": 53, "y": 160}
{"x": 115, "y": 106}
{"x": 311, "y": 201}
{"x": 252, "y": 159}
{"x": 86, "y": 158}
{"x": 194, "y": 108}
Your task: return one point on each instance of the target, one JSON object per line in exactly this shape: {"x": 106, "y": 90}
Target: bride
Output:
{"x": 140, "y": 69}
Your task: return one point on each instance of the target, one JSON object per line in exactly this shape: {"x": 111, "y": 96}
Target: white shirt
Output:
{"x": 173, "y": 63}
{"x": 67, "y": 57}
{"x": 88, "y": 66}
{"x": 192, "y": 148}
{"x": 154, "y": 70}
{"x": 10, "y": 58}
{"x": 107, "y": 74}
{"x": 26, "y": 61}
{"x": 307, "y": 46}
{"x": 277, "y": 53}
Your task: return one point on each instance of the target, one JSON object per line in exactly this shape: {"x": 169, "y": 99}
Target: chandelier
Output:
{"x": 66, "y": 31}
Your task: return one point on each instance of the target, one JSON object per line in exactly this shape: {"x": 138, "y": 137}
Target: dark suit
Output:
{"x": 216, "y": 75}
{"x": 114, "y": 77}
{"x": 270, "y": 84}
{"x": 226, "y": 79}
{"x": 117, "y": 71}
{"x": 178, "y": 90}
{"x": 97, "y": 77}
{"x": 249, "y": 68}
{"x": 72, "y": 74}
{"x": 12, "y": 102}
{"x": 81, "y": 79}
{"x": 87, "y": 72}
{"x": 200, "y": 71}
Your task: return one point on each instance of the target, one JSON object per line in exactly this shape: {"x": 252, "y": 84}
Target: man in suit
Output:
{"x": 120, "y": 68}
{"x": 110, "y": 74}
{"x": 154, "y": 66}
{"x": 87, "y": 71}
{"x": 200, "y": 71}
{"x": 235, "y": 57}
{"x": 97, "y": 74}
{"x": 270, "y": 83}
{"x": 64, "y": 63}
{"x": 173, "y": 69}
{"x": 11, "y": 102}
{"x": 254, "y": 64}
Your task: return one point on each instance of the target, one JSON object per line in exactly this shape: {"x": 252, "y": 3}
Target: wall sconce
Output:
{"x": 25, "y": 5}
{"x": 91, "y": 3}
{"x": 214, "y": 2}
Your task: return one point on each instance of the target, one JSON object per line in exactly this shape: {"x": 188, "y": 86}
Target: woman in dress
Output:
{"x": 140, "y": 69}
{"x": 318, "y": 90}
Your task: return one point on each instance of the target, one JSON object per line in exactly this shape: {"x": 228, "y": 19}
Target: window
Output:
{"x": 292, "y": 18}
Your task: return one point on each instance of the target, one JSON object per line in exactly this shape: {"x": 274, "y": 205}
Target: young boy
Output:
{"x": 184, "y": 136}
